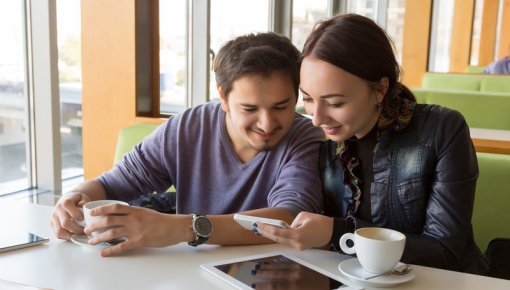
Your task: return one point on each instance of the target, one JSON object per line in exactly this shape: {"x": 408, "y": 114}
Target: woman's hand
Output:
{"x": 308, "y": 230}
{"x": 140, "y": 227}
{"x": 66, "y": 213}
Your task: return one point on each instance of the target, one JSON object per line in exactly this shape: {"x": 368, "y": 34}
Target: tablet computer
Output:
{"x": 18, "y": 240}
{"x": 273, "y": 271}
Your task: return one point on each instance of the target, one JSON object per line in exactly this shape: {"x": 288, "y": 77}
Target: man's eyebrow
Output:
{"x": 324, "y": 96}
{"x": 277, "y": 104}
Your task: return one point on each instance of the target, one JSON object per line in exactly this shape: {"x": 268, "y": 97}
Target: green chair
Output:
{"x": 491, "y": 213}
{"x": 475, "y": 69}
{"x": 127, "y": 139}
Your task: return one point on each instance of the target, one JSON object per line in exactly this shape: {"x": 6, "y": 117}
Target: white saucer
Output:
{"x": 83, "y": 240}
{"x": 352, "y": 269}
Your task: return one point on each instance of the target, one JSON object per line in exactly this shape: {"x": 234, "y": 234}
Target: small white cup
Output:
{"x": 378, "y": 249}
{"x": 88, "y": 219}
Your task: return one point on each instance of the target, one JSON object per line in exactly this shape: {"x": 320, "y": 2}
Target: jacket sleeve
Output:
{"x": 447, "y": 235}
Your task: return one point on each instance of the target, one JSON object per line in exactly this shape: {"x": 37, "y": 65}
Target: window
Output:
{"x": 234, "y": 18}
{"x": 367, "y": 8}
{"x": 441, "y": 32}
{"x": 304, "y": 16}
{"x": 395, "y": 24}
{"x": 69, "y": 64}
{"x": 477, "y": 30}
{"x": 14, "y": 131}
{"x": 172, "y": 55}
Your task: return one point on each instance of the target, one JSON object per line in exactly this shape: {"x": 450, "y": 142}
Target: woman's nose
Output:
{"x": 318, "y": 116}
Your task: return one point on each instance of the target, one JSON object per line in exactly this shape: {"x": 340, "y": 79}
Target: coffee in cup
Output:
{"x": 378, "y": 249}
{"x": 88, "y": 219}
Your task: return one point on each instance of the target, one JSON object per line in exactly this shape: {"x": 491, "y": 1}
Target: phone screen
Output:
{"x": 13, "y": 241}
{"x": 278, "y": 272}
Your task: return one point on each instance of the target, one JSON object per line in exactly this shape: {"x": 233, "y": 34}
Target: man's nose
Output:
{"x": 267, "y": 122}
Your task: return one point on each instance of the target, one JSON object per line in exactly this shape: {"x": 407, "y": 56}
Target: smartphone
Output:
{"x": 246, "y": 221}
{"x": 14, "y": 241}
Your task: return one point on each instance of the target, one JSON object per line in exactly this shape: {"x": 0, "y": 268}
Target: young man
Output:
{"x": 249, "y": 153}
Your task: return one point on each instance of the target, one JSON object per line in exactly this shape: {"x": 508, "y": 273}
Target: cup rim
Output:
{"x": 102, "y": 202}
{"x": 401, "y": 236}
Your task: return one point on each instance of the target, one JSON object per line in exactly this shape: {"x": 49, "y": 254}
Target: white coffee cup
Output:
{"x": 378, "y": 249}
{"x": 88, "y": 219}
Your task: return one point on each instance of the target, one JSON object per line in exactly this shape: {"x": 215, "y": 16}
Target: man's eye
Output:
{"x": 280, "y": 108}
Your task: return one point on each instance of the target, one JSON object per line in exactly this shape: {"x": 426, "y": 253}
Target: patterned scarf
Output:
{"x": 396, "y": 115}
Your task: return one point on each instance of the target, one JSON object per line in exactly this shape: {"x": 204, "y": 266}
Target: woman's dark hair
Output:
{"x": 256, "y": 54}
{"x": 359, "y": 46}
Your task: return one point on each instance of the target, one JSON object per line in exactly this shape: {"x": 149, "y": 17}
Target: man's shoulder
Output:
{"x": 302, "y": 125}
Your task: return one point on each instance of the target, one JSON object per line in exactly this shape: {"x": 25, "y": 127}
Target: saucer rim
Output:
{"x": 76, "y": 240}
{"x": 375, "y": 281}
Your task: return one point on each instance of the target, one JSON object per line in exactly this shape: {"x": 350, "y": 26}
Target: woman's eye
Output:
{"x": 335, "y": 105}
{"x": 307, "y": 100}
{"x": 250, "y": 110}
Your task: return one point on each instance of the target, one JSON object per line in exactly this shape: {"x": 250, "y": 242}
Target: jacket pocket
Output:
{"x": 412, "y": 196}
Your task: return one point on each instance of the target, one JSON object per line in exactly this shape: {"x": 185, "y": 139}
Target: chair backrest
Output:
{"x": 481, "y": 110}
{"x": 129, "y": 137}
{"x": 491, "y": 213}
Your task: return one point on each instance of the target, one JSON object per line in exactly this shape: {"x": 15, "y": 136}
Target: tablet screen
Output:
{"x": 277, "y": 272}
{"x": 13, "y": 241}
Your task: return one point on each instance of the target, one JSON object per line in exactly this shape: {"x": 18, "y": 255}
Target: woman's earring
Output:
{"x": 378, "y": 104}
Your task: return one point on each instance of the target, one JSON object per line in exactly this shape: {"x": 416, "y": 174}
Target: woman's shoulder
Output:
{"x": 438, "y": 115}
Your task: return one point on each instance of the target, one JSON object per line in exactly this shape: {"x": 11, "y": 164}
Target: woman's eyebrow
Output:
{"x": 324, "y": 96}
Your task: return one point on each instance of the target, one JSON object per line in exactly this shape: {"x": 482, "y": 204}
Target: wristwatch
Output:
{"x": 202, "y": 229}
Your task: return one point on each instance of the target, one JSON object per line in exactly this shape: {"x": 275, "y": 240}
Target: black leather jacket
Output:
{"x": 424, "y": 186}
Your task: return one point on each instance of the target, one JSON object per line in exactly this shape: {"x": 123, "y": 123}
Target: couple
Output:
{"x": 388, "y": 161}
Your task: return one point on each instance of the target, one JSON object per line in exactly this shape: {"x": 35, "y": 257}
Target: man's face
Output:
{"x": 259, "y": 112}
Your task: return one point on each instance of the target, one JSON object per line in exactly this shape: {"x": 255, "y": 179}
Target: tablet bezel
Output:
{"x": 21, "y": 242}
{"x": 211, "y": 268}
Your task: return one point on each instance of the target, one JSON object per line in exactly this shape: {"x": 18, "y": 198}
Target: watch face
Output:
{"x": 203, "y": 226}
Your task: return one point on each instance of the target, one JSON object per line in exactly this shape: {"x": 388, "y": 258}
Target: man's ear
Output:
{"x": 223, "y": 98}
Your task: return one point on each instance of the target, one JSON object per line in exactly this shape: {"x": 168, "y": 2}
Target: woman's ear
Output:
{"x": 384, "y": 82}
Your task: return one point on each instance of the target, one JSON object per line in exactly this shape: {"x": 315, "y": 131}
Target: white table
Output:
{"x": 64, "y": 265}
{"x": 490, "y": 140}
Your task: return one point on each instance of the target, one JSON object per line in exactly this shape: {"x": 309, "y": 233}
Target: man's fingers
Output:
{"x": 117, "y": 249}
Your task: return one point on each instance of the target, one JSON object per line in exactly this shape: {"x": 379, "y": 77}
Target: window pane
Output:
{"x": 14, "y": 162}
{"x": 395, "y": 24}
{"x": 69, "y": 66}
{"x": 367, "y": 8}
{"x": 304, "y": 16}
{"x": 233, "y": 18}
{"x": 442, "y": 22}
{"x": 172, "y": 55}
{"x": 477, "y": 29}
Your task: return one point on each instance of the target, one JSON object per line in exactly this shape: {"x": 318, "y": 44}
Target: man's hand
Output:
{"x": 308, "y": 230}
{"x": 140, "y": 227}
{"x": 66, "y": 213}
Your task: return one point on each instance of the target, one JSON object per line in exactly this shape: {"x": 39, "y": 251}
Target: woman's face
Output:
{"x": 342, "y": 104}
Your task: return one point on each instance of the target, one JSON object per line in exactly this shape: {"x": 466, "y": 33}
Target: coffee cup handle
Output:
{"x": 343, "y": 243}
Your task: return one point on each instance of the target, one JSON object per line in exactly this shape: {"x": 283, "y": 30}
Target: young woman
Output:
{"x": 388, "y": 161}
